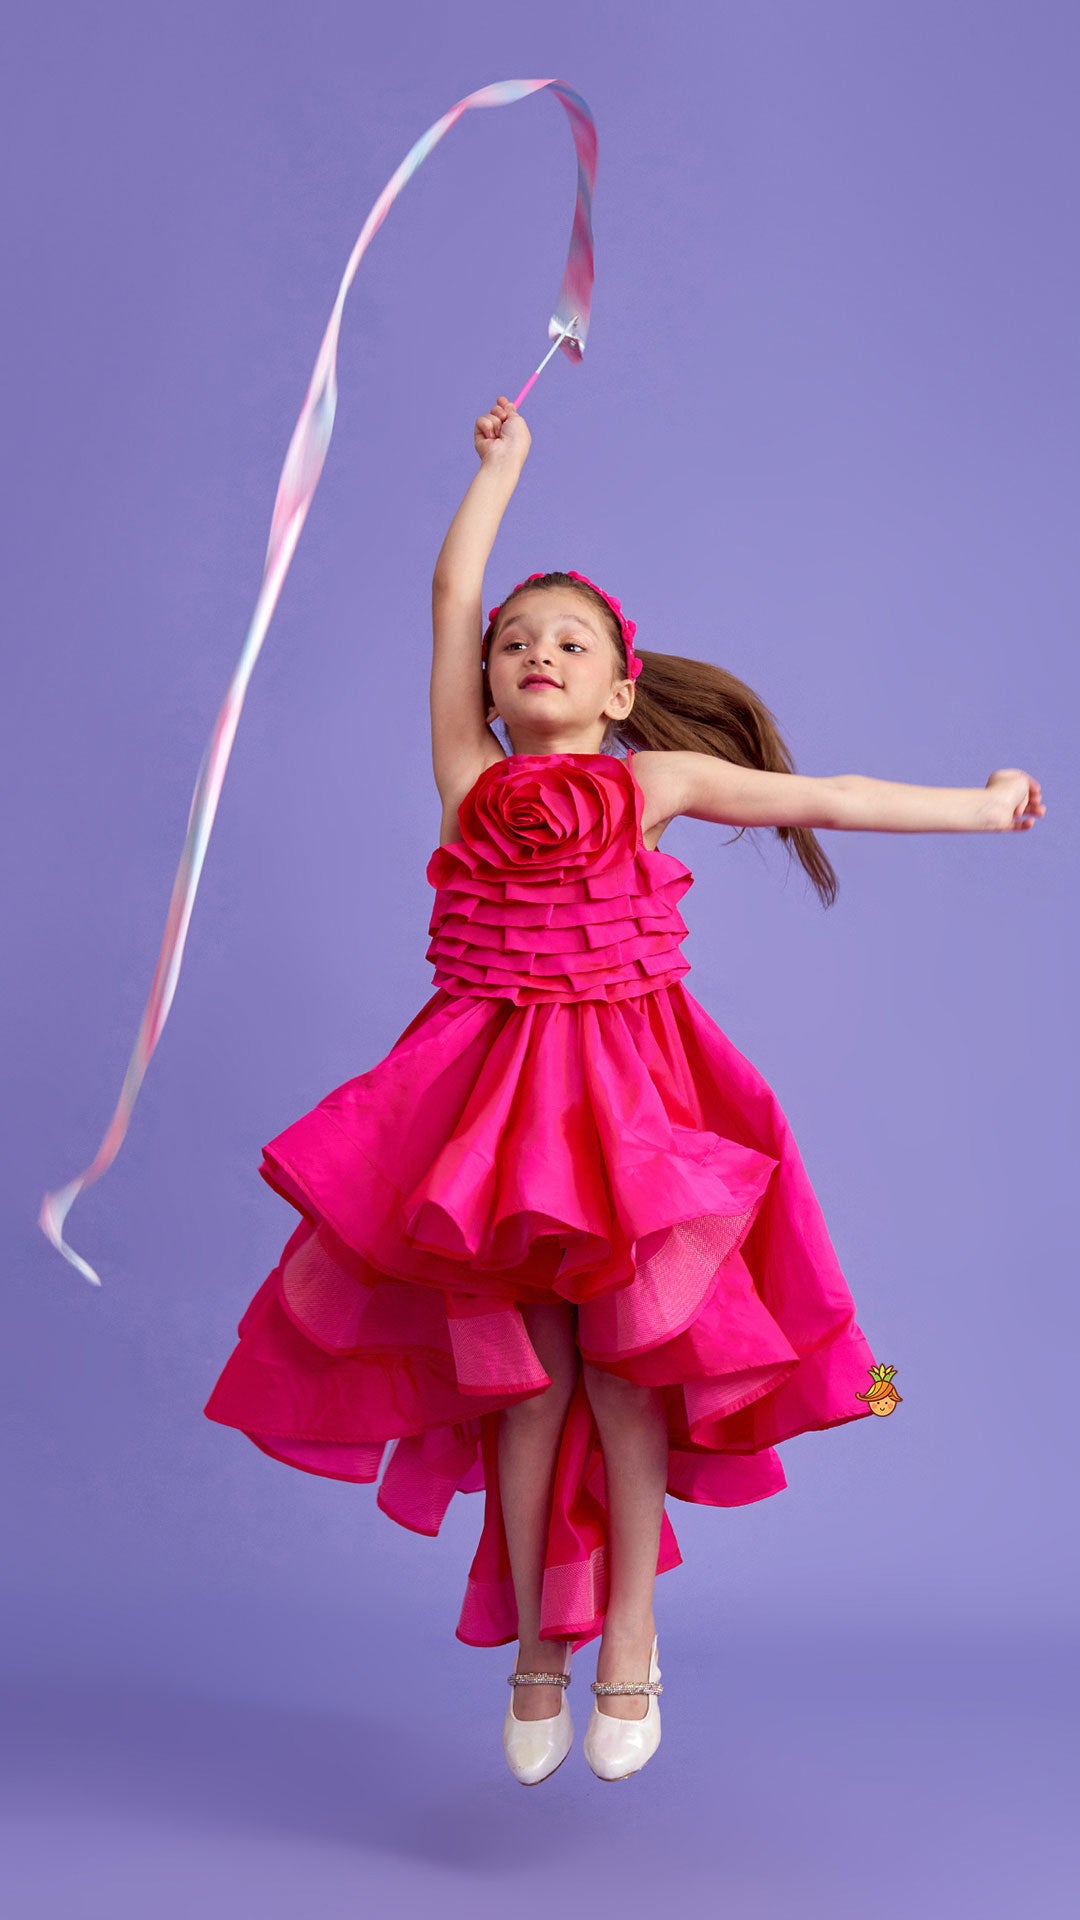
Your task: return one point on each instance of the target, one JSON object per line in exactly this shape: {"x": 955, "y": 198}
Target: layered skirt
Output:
{"x": 621, "y": 1156}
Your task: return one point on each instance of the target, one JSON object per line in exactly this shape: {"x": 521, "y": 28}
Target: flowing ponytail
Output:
{"x": 692, "y": 705}
{"x": 684, "y": 705}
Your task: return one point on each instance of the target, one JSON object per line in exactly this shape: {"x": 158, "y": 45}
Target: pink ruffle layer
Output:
{"x": 620, "y": 1155}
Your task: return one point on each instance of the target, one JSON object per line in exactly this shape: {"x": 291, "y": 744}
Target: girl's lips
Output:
{"x": 537, "y": 681}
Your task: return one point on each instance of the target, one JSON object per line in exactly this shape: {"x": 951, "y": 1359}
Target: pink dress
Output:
{"x": 561, "y": 1120}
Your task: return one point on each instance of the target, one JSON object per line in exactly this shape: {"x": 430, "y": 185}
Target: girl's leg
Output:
{"x": 529, "y": 1435}
{"x": 634, "y": 1437}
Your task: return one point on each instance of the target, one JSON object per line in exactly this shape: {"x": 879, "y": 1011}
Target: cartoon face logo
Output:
{"x": 882, "y": 1398}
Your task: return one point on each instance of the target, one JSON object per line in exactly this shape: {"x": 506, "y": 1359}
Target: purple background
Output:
{"x": 825, "y": 433}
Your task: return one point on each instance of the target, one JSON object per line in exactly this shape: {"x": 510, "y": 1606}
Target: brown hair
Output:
{"x": 683, "y": 705}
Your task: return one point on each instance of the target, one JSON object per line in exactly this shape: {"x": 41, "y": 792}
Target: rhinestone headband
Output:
{"x": 627, "y": 628}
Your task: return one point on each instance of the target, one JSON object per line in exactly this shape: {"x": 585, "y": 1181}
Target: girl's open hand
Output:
{"x": 502, "y": 434}
{"x": 1020, "y": 799}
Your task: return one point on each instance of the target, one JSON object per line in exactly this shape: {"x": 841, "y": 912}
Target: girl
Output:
{"x": 560, "y": 1245}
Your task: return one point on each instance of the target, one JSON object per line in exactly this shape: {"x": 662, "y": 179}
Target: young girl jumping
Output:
{"x": 559, "y": 1245}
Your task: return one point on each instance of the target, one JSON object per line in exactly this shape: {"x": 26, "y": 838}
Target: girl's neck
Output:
{"x": 566, "y": 754}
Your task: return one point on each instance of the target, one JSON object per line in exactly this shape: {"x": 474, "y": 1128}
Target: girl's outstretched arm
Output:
{"x": 708, "y": 788}
{"x": 460, "y": 735}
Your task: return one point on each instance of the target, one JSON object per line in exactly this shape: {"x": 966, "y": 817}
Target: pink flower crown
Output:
{"x": 627, "y": 628}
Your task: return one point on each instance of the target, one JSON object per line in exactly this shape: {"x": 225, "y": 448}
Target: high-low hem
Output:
{"x": 741, "y": 1320}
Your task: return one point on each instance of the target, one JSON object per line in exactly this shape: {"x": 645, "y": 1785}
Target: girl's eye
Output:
{"x": 511, "y": 644}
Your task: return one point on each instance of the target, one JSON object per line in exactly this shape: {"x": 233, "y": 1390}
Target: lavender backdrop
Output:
{"x": 825, "y": 433}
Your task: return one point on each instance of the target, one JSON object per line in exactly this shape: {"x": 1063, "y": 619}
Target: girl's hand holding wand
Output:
{"x": 502, "y": 434}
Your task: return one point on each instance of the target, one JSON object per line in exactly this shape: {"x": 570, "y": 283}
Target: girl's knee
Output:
{"x": 548, "y": 1407}
{"x": 612, "y": 1393}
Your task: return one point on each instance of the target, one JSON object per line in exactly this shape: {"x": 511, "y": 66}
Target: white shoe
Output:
{"x": 534, "y": 1748}
{"x": 617, "y": 1748}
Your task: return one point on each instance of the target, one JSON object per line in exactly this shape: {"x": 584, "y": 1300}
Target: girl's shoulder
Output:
{"x": 662, "y": 784}
{"x": 463, "y": 785}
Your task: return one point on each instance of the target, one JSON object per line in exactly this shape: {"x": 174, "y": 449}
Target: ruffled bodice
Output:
{"x": 550, "y": 893}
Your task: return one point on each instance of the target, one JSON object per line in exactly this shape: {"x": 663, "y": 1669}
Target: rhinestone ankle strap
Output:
{"x": 626, "y": 1686}
{"x": 538, "y": 1679}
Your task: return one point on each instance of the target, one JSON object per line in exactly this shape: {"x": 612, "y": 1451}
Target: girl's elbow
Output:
{"x": 831, "y": 802}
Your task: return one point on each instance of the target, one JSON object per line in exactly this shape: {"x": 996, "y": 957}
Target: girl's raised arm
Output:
{"x": 460, "y": 736}
{"x": 708, "y": 788}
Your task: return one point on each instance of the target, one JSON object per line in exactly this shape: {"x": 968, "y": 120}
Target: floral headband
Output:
{"x": 627, "y": 628}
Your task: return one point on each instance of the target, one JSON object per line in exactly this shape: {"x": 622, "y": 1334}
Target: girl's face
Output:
{"x": 553, "y": 638}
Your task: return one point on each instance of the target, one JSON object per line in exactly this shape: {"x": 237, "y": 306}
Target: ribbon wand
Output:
{"x": 304, "y": 460}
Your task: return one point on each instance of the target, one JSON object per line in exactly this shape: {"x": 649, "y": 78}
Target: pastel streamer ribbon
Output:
{"x": 567, "y": 328}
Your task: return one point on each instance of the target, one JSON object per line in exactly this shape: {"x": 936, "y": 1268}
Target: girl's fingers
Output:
{"x": 490, "y": 425}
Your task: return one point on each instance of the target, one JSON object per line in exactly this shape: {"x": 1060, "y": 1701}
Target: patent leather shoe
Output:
{"x": 617, "y": 1748}
{"x": 534, "y": 1748}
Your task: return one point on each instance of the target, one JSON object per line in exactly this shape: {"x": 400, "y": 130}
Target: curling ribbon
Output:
{"x": 568, "y": 329}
